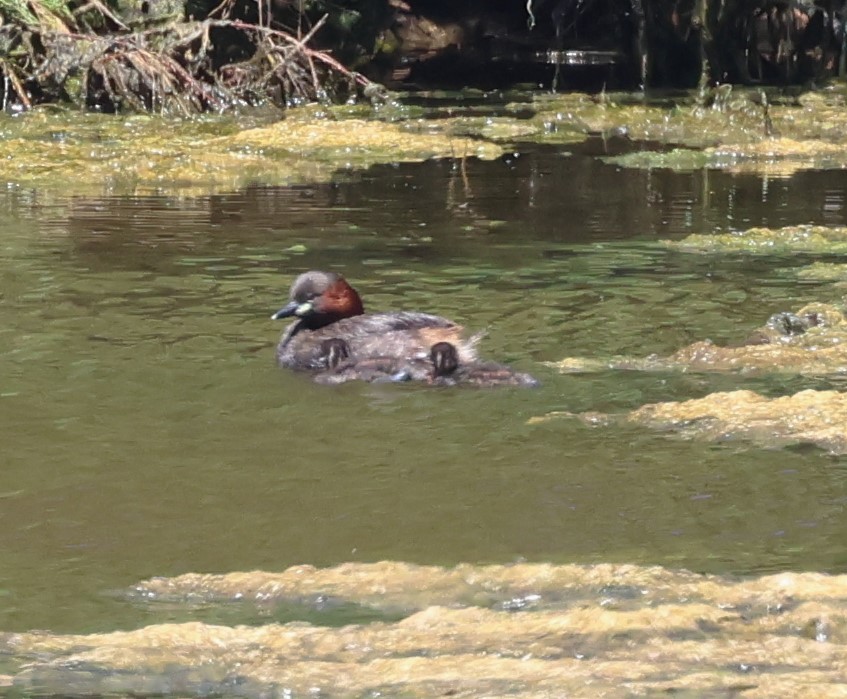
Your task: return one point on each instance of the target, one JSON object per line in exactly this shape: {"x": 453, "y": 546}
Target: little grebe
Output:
{"x": 447, "y": 370}
{"x": 326, "y": 306}
{"x": 442, "y": 369}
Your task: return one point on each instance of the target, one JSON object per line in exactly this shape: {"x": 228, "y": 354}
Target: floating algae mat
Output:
{"x": 830, "y": 240}
{"x": 807, "y": 417}
{"x": 536, "y": 129}
{"x": 680, "y": 122}
{"x": 92, "y": 153}
{"x": 741, "y": 131}
{"x": 89, "y": 153}
{"x": 777, "y": 157}
{"x": 527, "y": 630}
{"x": 738, "y": 132}
{"x": 812, "y": 341}
{"x": 823, "y": 271}
{"x": 737, "y": 129}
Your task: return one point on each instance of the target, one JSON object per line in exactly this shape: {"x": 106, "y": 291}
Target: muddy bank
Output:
{"x": 545, "y": 631}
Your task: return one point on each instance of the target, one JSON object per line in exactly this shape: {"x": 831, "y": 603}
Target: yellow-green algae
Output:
{"x": 87, "y": 152}
{"x": 680, "y": 123}
{"x": 738, "y": 130}
{"x": 820, "y": 350}
{"x": 535, "y": 129}
{"x": 776, "y": 157}
{"x": 604, "y": 630}
{"x": 823, "y": 271}
{"x": 815, "y": 417}
{"x": 807, "y": 417}
{"x": 735, "y": 132}
{"x": 95, "y": 153}
{"x": 802, "y": 238}
{"x": 392, "y": 585}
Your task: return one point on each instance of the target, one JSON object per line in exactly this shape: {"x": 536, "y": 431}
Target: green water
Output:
{"x": 146, "y": 431}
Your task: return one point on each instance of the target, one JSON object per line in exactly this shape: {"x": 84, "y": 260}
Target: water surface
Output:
{"x": 146, "y": 430}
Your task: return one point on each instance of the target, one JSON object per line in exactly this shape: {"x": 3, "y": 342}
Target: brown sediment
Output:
{"x": 546, "y": 631}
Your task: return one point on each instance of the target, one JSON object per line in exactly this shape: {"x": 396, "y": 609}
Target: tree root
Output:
{"x": 180, "y": 67}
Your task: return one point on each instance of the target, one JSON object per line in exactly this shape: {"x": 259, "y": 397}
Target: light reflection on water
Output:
{"x": 146, "y": 430}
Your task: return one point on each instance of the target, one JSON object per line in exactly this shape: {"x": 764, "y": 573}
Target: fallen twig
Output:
{"x": 174, "y": 66}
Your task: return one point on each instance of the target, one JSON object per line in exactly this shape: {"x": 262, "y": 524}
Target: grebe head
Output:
{"x": 444, "y": 357}
{"x": 320, "y": 298}
{"x": 335, "y": 350}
